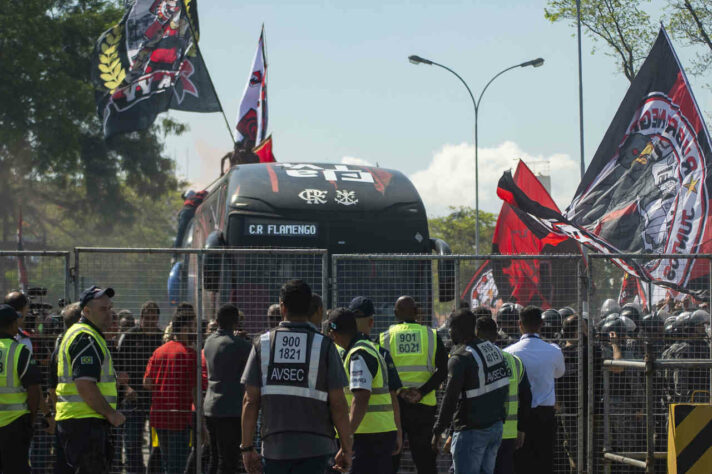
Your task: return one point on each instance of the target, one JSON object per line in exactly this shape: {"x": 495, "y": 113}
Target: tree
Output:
{"x": 54, "y": 161}
{"x": 628, "y": 31}
{"x": 458, "y": 230}
{"x": 621, "y": 24}
{"x": 691, "y": 21}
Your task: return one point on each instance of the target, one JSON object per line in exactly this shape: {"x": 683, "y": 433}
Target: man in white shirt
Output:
{"x": 544, "y": 363}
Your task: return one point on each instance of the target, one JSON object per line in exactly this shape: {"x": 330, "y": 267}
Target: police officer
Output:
{"x": 19, "y": 395}
{"x": 508, "y": 321}
{"x": 475, "y": 393}
{"x": 294, "y": 375}
{"x": 625, "y": 400}
{"x": 551, "y": 325}
{"x": 518, "y": 403}
{"x": 421, "y": 360}
{"x": 693, "y": 344}
{"x": 371, "y": 416}
{"x": 86, "y": 392}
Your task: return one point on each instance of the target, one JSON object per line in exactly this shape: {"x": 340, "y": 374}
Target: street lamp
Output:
{"x": 476, "y": 103}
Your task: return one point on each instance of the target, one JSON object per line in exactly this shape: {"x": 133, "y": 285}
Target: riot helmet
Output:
{"x": 551, "y": 324}
{"x": 614, "y": 323}
{"x": 610, "y": 306}
{"x": 651, "y": 326}
{"x": 631, "y": 310}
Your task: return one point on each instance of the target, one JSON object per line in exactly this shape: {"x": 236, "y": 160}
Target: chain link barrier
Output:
{"x": 611, "y": 417}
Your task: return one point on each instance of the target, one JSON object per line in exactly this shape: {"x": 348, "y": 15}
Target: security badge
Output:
{"x": 289, "y": 358}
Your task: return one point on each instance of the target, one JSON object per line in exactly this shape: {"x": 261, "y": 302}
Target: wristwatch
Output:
{"x": 244, "y": 449}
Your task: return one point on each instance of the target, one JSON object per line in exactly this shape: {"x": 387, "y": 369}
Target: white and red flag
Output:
{"x": 252, "y": 116}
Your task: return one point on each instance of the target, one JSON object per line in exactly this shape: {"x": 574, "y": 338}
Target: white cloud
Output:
{"x": 352, "y": 160}
{"x": 449, "y": 179}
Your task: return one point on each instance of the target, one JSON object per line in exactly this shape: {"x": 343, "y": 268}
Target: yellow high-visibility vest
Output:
{"x": 13, "y": 396}
{"x": 412, "y": 347}
{"x": 70, "y": 404}
{"x": 509, "y": 430}
{"x": 379, "y": 415}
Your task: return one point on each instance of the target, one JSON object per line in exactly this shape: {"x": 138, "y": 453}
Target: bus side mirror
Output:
{"x": 446, "y": 271}
{"x": 212, "y": 263}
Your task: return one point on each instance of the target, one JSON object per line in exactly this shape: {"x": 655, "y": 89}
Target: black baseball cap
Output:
{"x": 342, "y": 320}
{"x": 362, "y": 306}
{"x": 7, "y": 314}
{"x": 93, "y": 293}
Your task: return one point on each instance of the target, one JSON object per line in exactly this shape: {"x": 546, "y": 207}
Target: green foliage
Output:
{"x": 691, "y": 22}
{"x": 458, "y": 230}
{"x": 622, "y": 25}
{"x": 628, "y": 31}
{"x": 54, "y": 161}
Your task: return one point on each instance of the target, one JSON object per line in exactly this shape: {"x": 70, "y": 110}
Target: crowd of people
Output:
{"x": 320, "y": 391}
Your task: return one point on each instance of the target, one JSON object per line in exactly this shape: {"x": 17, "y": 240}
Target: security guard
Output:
{"x": 371, "y": 416}
{"x": 421, "y": 360}
{"x": 19, "y": 395}
{"x": 518, "y": 401}
{"x": 294, "y": 375}
{"x": 86, "y": 392}
{"x": 474, "y": 400}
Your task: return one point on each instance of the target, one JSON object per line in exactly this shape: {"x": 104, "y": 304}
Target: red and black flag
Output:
{"x": 647, "y": 188}
{"x": 482, "y": 290}
{"x": 539, "y": 282}
{"x": 252, "y": 116}
{"x": 150, "y": 62}
{"x": 264, "y": 151}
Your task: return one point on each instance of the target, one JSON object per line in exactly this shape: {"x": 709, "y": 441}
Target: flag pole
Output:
{"x": 580, "y": 81}
{"x": 207, "y": 72}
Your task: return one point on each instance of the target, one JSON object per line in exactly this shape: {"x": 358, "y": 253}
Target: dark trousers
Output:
{"x": 60, "y": 460}
{"x": 505, "y": 457}
{"x": 15, "y": 446}
{"x": 134, "y": 430}
{"x": 225, "y": 438}
{"x": 537, "y": 454}
{"x": 315, "y": 465}
{"x": 175, "y": 448}
{"x": 87, "y": 444}
{"x": 417, "y": 422}
{"x": 373, "y": 453}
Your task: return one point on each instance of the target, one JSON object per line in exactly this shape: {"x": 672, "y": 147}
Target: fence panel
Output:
{"x": 45, "y": 277}
{"x": 620, "y": 418}
{"x": 591, "y": 417}
{"x": 384, "y": 278}
{"x": 204, "y": 279}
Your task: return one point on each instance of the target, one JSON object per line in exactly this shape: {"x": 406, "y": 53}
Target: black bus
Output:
{"x": 343, "y": 209}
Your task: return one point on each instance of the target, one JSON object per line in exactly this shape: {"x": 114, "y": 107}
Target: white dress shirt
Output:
{"x": 543, "y": 362}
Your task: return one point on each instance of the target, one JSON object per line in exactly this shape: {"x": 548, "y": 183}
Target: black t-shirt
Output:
{"x": 27, "y": 367}
{"x": 134, "y": 349}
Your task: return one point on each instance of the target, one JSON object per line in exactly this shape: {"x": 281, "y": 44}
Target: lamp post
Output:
{"x": 476, "y": 103}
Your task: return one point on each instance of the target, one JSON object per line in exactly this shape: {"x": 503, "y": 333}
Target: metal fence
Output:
{"x": 603, "y": 413}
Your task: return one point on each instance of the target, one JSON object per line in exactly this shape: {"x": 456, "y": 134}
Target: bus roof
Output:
{"x": 319, "y": 187}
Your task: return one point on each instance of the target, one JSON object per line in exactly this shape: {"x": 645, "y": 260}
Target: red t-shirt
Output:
{"x": 172, "y": 371}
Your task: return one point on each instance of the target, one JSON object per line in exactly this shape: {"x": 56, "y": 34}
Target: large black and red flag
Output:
{"x": 647, "y": 188}
{"x": 150, "y": 62}
{"x": 546, "y": 283}
{"x": 482, "y": 290}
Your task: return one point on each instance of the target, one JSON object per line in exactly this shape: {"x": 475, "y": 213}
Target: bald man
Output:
{"x": 421, "y": 360}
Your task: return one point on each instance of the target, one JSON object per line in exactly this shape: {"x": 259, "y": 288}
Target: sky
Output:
{"x": 341, "y": 90}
